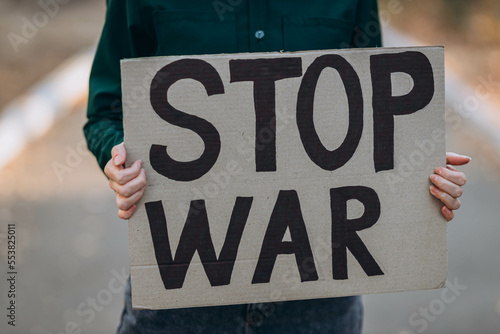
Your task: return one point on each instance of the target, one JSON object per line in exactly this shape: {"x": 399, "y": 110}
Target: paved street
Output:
{"x": 70, "y": 243}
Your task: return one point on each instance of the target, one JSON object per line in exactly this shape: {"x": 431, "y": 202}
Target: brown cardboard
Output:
{"x": 407, "y": 242}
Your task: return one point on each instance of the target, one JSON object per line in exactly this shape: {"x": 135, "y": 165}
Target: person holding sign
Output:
{"x": 143, "y": 28}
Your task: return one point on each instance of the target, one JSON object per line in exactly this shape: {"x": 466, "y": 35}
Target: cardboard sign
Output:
{"x": 285, "y": 176}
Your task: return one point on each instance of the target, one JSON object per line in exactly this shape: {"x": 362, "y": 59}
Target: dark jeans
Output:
{"x": 333, "y": 315}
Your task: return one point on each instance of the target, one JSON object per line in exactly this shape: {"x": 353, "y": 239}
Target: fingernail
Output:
{"x": 464, "y": 156}
{"x": 117, "y": 159}
{"x": 433, "y": 177}
{"x": 448, "y": 211}
{"x": 143, "y": 171}
{"x": 439, "y": 171}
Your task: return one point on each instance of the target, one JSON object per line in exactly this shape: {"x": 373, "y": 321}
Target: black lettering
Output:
{"x": 160, "y": 160}
{"x": 286, "y": 214}
{"x": 344, "y": 230}
{"x": 386, "y": 106}
{"x": 264, "y": 73}
{"x": 196, "y": 236}
{"x": 317, "y": 152}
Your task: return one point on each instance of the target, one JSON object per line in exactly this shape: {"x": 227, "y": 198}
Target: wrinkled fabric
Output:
{"x": 320, "y": 316}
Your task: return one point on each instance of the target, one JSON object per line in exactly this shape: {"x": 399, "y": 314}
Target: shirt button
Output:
{"x": 259, "y": 34}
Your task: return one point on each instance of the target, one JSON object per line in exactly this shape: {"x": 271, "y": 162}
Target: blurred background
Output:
{"x": 72, "y": 250}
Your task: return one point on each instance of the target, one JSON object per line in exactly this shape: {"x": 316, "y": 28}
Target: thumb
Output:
{"x": 119, "y": 154}
{"x": 456, "y": 159}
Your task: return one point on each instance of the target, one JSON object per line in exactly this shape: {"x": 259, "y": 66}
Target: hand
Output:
{"x": 448, "y": 182}
{"x": 128, "y": 183}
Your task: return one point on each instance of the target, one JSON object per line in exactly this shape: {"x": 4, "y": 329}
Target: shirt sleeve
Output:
{"x": 367, "y": 32}
{"x": 122, "y": 37}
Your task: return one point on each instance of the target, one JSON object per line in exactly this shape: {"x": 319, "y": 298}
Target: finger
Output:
{"x": 119, "y": 154}
{"x": 451, "y": 188}
{"x": 120, "y": 174}
{"x": 126, "y": 214}
{"x": 452, "y": 175}
{"x": 108, "y": 169}
{"x": 456, "y": 159}
{"x": 451, "y": 203}
{"x": 125, "y": 203}
{"x": 124, "y": 175}
{"x": 131, "y": 187}
{"x": 447, "y": 213}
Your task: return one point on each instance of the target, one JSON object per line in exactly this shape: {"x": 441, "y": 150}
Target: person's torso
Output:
{"x": 233, "y": 26}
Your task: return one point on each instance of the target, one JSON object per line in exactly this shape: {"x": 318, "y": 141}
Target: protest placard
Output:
{"x": 285, "y": 176}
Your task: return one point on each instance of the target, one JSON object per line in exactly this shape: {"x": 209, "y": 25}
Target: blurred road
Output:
{"x": 72, "y": 249}
{"x": 71, "y": 245}
{"x": 29, "y": 51}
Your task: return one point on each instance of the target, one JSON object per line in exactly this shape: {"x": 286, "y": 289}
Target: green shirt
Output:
{"x": 143, "y": 28}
